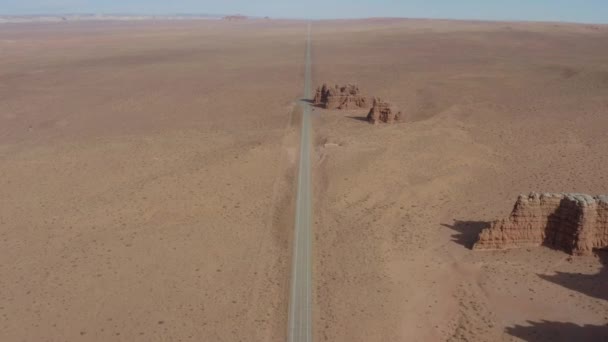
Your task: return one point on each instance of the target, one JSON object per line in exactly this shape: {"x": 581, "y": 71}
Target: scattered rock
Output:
{"x": 340, "y": 97}
{"x": 574, "y": 223}
{"x": 383, "y": 112}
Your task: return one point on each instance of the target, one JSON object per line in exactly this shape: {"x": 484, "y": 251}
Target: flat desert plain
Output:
{"x": 146, "y": 174}
{"x": 147, "y": 179}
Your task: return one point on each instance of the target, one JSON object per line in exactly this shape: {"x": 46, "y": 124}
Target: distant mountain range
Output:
{"x": 91, "y": 17}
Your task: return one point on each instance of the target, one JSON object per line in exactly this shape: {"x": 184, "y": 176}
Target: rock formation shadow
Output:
{"x": 358, "y": 118}
{"x": 557, "y": 225}
{"x": 312, "y": 103}
{"x": 558, "y": 332}
{"x": 467, "y": 231}
{"x": 595, "y": 285}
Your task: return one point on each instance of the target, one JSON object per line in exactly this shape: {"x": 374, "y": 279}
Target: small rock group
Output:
{"x": 383, "y": 111}
{"x": 349, "y": 97}
{"x": 340, "y": 97}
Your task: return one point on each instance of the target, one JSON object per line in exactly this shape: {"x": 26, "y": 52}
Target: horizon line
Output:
{"x": 216, "y": 15}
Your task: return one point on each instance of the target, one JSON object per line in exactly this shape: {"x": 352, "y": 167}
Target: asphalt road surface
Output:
{"x": 300, "y": 305}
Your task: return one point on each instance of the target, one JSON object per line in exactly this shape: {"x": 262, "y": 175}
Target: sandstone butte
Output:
{"x": 340, "y": 97}
{"x": 574, "y": 223}
{"x": 382, "y": 112}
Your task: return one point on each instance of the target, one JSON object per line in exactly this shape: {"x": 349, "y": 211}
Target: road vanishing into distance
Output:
{"x": 300, "y": 302}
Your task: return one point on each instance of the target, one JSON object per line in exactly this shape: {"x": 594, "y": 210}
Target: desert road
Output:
{"x": 300, "y": 302}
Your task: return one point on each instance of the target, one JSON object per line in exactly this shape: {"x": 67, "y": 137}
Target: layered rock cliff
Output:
{"x": 575, "y": 223}
{"x": 340, "y": 97}
{"x": 383, "y": 112}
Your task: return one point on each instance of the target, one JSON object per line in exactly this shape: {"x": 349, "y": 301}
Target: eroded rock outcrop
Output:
{"x": 574, "y": 223}
{"x": 340, "y": 97}
{"x": 383, "y": 111}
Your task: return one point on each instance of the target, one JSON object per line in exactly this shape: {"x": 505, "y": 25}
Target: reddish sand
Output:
{"x": 147, "y": 174}
{"x": 491, "y": 110}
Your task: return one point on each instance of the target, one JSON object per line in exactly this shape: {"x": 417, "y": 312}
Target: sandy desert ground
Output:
{"x": 147, "y": 179}
{"x": 147, "y": 173}
{"x": 492, "y": 110}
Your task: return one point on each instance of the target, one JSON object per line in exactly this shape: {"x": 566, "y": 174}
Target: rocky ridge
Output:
{"x": 574, "y": 223}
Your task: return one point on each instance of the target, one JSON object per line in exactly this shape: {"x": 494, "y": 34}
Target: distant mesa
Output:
{"x": 383, "y": 112}
{"x": 340, "y": 97}
{"x": 235, "y": 17}
{"x": 574, "y": 223}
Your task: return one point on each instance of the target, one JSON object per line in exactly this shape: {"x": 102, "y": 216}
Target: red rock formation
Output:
{"x": 340, "y": 97}
{"x": 382, "y": 112}
{"x": 575, "y": 223}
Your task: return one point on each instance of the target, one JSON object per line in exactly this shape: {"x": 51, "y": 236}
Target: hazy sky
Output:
{"x": 553, "y": 10}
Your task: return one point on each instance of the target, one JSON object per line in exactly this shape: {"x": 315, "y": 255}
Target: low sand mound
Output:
{"x": 383, "y": 112}
{"x": 340, "y": 97}
{"x": 575, "y": 223}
